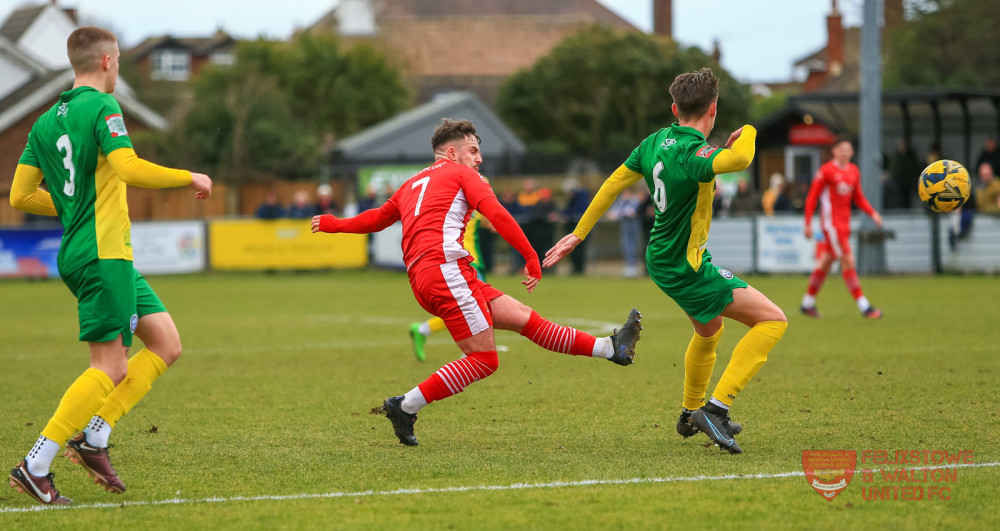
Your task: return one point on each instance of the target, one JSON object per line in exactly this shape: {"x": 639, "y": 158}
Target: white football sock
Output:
{"x": 413, "y": 401}
{"x": 719, "y": 403}
{"x": 863, "y": 303}
{"x": 41, "y": 455}
{"x": 425, "y": 328}
{"x": 603, "y": 348}
{"x": 808, "y": 301}
{"x": 97, "y": 432}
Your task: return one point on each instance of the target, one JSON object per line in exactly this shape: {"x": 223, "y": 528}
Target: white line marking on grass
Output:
{"x": 438, "y": 490}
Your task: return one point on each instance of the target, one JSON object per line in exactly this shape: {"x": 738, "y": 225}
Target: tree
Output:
{"x": 266, "y": 114}
{"x": 602, "y": 89}
{"x": 946, "y": 43}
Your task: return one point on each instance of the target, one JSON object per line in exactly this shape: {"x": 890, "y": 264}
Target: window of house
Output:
{"x": 171, "y": 65}
{"x": 222, "y": 58}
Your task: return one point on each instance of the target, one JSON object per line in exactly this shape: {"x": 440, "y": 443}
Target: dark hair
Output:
{"x": 694, "y": 92}
{"x": 842, "y": 138}
{"x": 452, "y": 130}
{"x": 86, "y": 47}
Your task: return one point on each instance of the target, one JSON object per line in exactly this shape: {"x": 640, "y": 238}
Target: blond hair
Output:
{"x": 87, "y": 46}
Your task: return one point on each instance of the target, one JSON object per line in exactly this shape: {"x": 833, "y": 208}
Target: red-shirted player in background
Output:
{"x": 836, "y": 185}
{"x": 434, "y": 206}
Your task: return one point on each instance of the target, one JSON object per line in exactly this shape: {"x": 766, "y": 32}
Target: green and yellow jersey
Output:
{"x": 679, "y": 168}
{"x": 85, "y": 157}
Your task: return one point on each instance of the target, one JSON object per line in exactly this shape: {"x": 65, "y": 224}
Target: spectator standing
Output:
{"x": 576, "y": 204}
{"x": 300, "y": 207}
{"x": 626, "y": 211}
{"x": 271, "y": 207}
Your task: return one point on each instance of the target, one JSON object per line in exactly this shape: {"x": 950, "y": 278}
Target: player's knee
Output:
{"x": 489, "y": 360}
{"x": 169, "y": 351}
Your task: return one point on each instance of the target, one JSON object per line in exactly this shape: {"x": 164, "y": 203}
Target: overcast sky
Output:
{"x": 757, "y": 44}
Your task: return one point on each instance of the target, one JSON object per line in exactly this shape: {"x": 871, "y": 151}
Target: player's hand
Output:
{"x": 530, "y": 282}
{"x": 808, "y": 232}
{"x": 877, "y": 218}
{"x": 732, "y": 138}
{"x": 561, "y": 249}
{"x": 324, "y": 223}
{"x": 203, "y": 184}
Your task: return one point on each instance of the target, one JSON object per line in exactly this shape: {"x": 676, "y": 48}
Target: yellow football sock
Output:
{"x": 78, "y": 405}
{"x": 748, "y": 357}
{"x": 436, "y": 324}
{"x": 699, "y": 360}
{"x": 143, "y": 368}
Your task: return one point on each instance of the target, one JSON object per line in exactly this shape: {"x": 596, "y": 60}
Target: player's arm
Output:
{"x": 818, "y": 183}
{"x": 510, "y": 231}
{"x": 739, "y": 151}
{"x": 25, "y": 194}
{"x": 371, "y": 220}
{"x": 481, "y": 197}
{"x": 613, "y": 186}
{"x": 862, "y": 202}
{"x": 134, "y": 171}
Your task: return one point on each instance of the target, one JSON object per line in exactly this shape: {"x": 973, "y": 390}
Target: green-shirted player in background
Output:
{"x": 82, "y": 151}
{"x": 679, "y": 167}
{"x": 419, "y": 332}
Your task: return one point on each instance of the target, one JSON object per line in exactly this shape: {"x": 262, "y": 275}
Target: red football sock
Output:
{"x": 853, "y": 284}
{"x": 455, "y": 376}
{"x": 816, "y": 281}
{"x": 556, "y": 338}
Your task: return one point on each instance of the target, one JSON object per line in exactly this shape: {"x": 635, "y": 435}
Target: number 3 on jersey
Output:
{"x": 69, "y": 186}
{"x": 659, "y": 189}
{"x": 420, "y": 199}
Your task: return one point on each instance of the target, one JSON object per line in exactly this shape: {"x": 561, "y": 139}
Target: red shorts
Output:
{"x": 453, "y": 292}
{"x": 836, "y": 241}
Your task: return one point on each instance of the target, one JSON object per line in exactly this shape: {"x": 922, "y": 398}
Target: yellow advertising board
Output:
{"x": 281, "y": 244}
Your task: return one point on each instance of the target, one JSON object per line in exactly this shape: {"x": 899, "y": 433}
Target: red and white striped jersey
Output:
{"x": 836, "y": 188}
{"x": 435, "y": 205}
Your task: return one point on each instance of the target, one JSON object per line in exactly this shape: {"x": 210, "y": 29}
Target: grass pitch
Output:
{"x": 265, "y": 421}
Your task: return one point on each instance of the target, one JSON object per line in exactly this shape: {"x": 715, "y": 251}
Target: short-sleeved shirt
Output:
{"x": 676, "y": 163}
{"x": 836, "y": 188}
{"x": 70, "y": 143}
{"x": 435, "y": 206}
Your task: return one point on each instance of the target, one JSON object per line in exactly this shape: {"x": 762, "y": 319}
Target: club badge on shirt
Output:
{"x": 705, "y": 151}
{"x": 116, "y": 125}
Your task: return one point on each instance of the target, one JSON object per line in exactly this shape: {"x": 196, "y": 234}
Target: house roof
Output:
{"x": 19, "y": 21}
{"x": 196, "y": 45}
{"x": 44, "y": 88}
{"x": 407, "y": 135}
{"x": 9, "y": 49}
{"x": 588, "y": 10}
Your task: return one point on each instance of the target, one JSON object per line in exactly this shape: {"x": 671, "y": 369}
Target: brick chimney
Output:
{"x": 663, "y": 18}
{"x": 893, "y": 15}
{"x": 716, "y": 51}
{"x": 835, "y": 41}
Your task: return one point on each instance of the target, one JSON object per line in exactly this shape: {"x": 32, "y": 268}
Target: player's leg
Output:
{"x": 767, "y": 325}
{"x": 161, "y": 348}
{"x": 699, "y": 362}
{"x": 452, "y": 292}
{"x": 419, "y": 332}
{"x": 105, "y": 292}
{"x": 849, "y": 271}
{"x": 510, "y": 314}
{"x": 828, "y": 253}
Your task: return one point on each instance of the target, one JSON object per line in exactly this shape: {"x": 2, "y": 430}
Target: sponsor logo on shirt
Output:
{"x": 726, "y": 274}
{"x": 668, "y": 142}
{"x": 116, "y": 125}
{"x": 705, "y": 151}
{"x": 63, "y": 109}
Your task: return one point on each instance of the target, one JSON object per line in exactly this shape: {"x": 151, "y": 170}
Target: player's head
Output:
{"x": 457, "y": 141}
{"x": 94, "y": 51}
{"x": 842, "y": 149}
{"x": 695, "y": 94}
